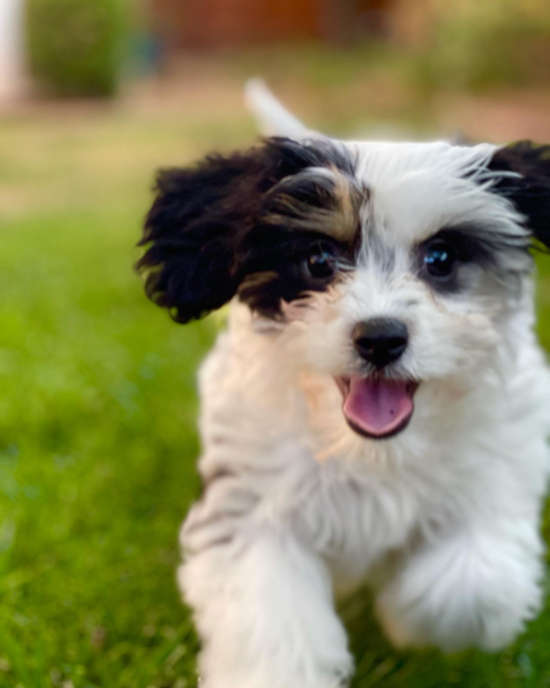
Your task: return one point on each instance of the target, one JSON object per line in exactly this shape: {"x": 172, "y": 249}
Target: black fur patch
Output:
{"x": 504, "y": 256}
{"x": 277, "y": 269}
{"x": 215, "y": 224}
{"x": 530, "y": 190}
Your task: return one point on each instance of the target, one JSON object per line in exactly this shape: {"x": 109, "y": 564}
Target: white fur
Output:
{"x": 443, "y": 519}
{"x": 273, "y": 119}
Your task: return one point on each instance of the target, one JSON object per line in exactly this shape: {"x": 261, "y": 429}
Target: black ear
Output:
{"x": 191, "y": 230}
{"x": 196, "y": 255}
{"x": 529, "y": 187}
{"x": 197, "y": 220}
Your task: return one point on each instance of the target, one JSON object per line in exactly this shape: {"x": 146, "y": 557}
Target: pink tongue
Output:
{"x": 378, "y": 406}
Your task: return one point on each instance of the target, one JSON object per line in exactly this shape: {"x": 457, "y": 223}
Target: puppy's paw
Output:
{"x": 304, "y": 676}
{"x": 343, "y": 678}
{"x": 401, "y": 629}
{"x": 456, "y": 607}
{"x": 340, "y": 676}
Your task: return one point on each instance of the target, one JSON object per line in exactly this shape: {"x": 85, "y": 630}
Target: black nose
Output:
{"x": 380, "y": 341}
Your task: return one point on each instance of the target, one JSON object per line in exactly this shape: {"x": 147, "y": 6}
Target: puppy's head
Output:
{"x": 385, "y": 268}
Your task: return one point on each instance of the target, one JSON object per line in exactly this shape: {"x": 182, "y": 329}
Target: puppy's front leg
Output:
{"x": 474, "y": 588}
{"x": 263, "y": 607}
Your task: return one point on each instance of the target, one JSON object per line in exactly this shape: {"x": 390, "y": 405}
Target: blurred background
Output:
{"x": 98, "y": 402}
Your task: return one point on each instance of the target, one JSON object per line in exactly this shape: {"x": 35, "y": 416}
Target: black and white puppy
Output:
{"x": 378, "y": 408}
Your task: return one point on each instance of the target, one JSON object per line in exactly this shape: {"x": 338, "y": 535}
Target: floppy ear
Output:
{"x": 191, "y": 231}
{"x": 529, "y": 187}
{"x": 195, "y": 232}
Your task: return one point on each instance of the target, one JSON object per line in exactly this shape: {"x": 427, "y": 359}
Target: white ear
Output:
{"x": 272, "y": 118}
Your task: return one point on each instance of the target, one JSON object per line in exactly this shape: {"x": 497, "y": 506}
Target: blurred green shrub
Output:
{"x": 75, "y": 46}
{"x": 477, "y": 44}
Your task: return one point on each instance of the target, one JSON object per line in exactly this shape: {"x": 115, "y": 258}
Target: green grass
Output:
{"x": 97, "y": 423}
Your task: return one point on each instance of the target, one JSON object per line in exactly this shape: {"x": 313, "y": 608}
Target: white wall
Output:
{"x": 11, "y": 49}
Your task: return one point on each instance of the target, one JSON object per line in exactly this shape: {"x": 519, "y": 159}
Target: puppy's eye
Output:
{"x": 440, "y": 260}
{"x": 319, "y": 265}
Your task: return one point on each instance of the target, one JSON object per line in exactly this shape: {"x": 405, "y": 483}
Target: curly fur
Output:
{"x": 443, "y": 518}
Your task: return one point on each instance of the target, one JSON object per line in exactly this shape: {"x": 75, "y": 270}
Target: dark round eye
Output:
{"x": 440, "y": 260}
{"x": 320, "y": 264}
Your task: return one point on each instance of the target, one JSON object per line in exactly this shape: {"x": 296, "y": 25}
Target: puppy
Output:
{"x": 378, "y": 408}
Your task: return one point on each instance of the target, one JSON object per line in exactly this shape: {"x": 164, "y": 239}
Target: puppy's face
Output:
{"x": 384, "y": 268}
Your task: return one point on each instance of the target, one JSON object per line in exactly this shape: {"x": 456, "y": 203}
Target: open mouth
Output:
{"x": 377, "y": 407}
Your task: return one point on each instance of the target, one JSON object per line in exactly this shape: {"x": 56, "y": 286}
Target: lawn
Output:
{"x": 98, "y": 407}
